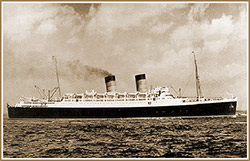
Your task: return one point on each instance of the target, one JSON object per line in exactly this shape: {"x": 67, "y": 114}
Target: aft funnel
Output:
{"x": 141, "y": 85}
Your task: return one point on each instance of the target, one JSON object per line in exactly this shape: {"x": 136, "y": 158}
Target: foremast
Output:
{"x": 197, "y": 82}
{"x": 51, "y": 93}
{"x": 57, "y": 77}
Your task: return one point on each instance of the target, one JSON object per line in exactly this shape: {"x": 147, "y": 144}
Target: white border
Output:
{"x": 140, "y": 2}
{"x": 2, "y": 106}
{"x": 125, "y": 2}
{"x": 247, "y": 61}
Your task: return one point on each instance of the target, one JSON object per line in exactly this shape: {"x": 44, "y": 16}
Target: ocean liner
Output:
{"x": 156, "y": 102}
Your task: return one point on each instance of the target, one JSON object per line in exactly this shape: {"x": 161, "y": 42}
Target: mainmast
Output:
{"x": 57, "y": 77}
{"x": 198, "y": 84}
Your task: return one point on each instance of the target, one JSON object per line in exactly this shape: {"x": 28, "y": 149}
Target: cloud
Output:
{"x": 218, "y": 28}
{"x": 92, "y": 12}
{"x": 160, "y": 28}
{"x": 46, "y": 27}
{"x": 21, "y": 21}
{"x": 212, "y": 36}
{"x": 240, "y": 29}
{"x": 111, "y": 17}
{"x": 197, "y": 11}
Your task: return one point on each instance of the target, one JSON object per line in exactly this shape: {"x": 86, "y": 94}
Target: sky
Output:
{"x": 91, "y": 41}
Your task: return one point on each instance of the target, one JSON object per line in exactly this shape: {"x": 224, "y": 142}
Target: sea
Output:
{"x": 202, "y": 137}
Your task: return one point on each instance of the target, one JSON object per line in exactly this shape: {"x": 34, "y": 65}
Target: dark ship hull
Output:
{"x": 203, "y": 109}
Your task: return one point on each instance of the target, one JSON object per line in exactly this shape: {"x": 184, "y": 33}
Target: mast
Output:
{"x": 57, "y": 77}
{"x": 198, "y": 85}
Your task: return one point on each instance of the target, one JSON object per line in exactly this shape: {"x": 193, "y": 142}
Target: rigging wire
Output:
{"x": 191, "y": 75}
{"x": 176, "y": 75}
{"x": 217, "y": 82}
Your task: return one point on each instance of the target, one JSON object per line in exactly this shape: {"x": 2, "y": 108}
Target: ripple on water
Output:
{"x": 126, "y": 138}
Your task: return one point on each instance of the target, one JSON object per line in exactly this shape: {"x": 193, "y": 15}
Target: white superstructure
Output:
{"x": 159, "y": 96}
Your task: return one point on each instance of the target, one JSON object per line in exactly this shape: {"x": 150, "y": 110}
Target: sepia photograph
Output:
{"x": 144, "y": 80}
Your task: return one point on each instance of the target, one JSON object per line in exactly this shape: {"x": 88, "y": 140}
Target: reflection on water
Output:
{"x": 126, "y": 138}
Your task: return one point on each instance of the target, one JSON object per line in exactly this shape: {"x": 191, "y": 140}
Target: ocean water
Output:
{"x": 208, "y": 137}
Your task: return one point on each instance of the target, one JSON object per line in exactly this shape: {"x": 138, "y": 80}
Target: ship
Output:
{"x": 143, "y": 103}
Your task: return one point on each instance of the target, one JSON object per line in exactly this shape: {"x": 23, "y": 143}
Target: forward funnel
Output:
{"x": 110, "y": 83}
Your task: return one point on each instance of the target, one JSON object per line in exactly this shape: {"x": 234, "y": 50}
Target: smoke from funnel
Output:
{"x": 85, "y": 72}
